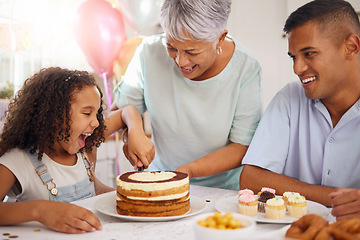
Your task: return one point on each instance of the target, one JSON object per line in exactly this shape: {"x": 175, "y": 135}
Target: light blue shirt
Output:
{"x": 296, "y": 138}
{"x": 191, "y": 119}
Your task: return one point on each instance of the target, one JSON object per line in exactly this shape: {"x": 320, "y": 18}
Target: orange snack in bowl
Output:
{"x": 219, "y": 221}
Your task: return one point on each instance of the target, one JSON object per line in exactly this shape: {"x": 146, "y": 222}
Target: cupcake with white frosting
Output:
{"x": 275, "y": 209}
{"x": 297, "y": 206}
{"x": 286, "y": 196}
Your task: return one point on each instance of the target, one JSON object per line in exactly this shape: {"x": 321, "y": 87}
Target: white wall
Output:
{"x": 258, "y": 25}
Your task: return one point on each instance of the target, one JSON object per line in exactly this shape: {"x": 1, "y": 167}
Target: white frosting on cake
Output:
{"x": 150, "y": 177}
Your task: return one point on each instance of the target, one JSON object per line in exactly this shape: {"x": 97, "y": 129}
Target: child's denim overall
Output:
{"x": 80, "y": 190}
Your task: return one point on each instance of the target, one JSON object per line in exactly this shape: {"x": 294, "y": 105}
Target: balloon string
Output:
{"x": 108, "y": 96}
{"x": 107, "y": 89}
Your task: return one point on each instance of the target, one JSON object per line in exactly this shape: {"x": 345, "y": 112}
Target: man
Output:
{"x": 308, "y": 138}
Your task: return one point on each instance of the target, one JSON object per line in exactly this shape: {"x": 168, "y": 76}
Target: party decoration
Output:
{"x": 100, "y": 32}
{"x": 15, "y": 37}
{"x": 114, "y": 4}
{"x": 141, "y": 14}
{"x": 125, "y": 56}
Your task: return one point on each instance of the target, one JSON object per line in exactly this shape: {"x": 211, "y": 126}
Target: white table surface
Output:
{"x": 116, "y": 229}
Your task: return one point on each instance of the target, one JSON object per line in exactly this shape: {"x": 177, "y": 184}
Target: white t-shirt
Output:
{"x": 19, "y": 163}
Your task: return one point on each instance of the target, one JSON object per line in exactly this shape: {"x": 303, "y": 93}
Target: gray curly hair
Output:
{"x": 204, "y": 20}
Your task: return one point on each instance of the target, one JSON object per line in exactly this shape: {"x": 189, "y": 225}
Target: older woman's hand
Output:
{"x": 138, "y": 148}
{"x": 185, "y": 169}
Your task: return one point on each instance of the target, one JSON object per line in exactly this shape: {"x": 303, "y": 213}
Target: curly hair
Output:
{"x": 38, "y": 113}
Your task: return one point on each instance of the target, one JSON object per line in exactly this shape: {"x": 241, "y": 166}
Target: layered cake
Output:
{"x": 153, "y": 194}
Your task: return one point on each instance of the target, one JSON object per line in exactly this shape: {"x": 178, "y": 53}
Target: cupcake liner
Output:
{"x": 297, "y": 212}
{"x": 248, "y": 210}
{"x": 261, "y": 206}
{"x": 277, "y": 214}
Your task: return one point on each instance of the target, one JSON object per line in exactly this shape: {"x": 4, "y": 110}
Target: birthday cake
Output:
{"x": 153, "y": 194}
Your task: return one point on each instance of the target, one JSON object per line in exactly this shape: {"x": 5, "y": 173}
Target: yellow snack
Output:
{"x": 219, "y": 221}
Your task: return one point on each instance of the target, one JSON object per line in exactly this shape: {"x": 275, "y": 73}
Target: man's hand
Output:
{"x": 345, "y": 203}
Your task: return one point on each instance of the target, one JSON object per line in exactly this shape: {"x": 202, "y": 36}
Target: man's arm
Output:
{"x": 255, "y": 178}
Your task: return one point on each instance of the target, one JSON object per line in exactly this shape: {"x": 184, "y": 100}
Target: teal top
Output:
{"x": 191, "y": 119}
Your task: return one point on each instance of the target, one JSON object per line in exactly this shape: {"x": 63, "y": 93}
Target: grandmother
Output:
{"x": 202, "y": 89}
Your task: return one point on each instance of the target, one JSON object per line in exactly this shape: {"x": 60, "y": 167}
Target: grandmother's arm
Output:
{"x": 221, "y": 160}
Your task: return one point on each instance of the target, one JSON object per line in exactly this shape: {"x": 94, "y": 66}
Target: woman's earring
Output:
{"x": 219, "y": 51}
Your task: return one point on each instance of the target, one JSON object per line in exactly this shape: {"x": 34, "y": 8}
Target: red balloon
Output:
{"x": 100, "y": 32}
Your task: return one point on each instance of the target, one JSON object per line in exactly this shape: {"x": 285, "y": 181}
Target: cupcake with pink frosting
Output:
{"x": 246, "y": 191}
{"x": 266, "y": 189}
{"x": 248, "y": 204}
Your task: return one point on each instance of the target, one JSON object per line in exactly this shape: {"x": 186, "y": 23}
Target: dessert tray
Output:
{"x": 107, "y": 206}
{"x": 230, "y": 205}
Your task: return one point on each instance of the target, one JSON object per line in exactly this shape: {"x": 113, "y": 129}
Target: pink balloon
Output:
{"x": 100, "y": 32}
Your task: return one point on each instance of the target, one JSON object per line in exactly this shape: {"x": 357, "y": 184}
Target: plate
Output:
{"x": 107, "y": 206}
{"x": 230, "y": 205}
{"x": 282, "y": 232}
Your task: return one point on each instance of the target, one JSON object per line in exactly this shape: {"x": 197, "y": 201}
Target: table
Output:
{"x": 117, "y": 229}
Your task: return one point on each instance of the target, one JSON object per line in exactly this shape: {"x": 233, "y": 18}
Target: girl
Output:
{"x": 48, "y": 147}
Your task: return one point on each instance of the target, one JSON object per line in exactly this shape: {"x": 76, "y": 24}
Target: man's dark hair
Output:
{"x": 336, "y": 18}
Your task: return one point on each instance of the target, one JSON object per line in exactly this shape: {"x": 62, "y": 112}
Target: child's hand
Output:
{"x": 139, "y": 149}
{"x": 66, "y": 217}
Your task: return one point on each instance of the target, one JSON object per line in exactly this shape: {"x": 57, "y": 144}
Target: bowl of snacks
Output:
{"x": 229, "y": 226}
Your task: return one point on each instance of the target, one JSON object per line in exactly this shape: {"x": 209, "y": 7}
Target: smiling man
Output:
{"x": 307, "y": 140}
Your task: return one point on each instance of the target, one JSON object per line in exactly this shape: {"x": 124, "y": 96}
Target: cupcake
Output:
{"x": 246, "y": 191}
{"x": 275, "y": 209}
{"x": 248, "y": 204}
{"x": 266, "y": 189}
{"x": 264, "y": 196}
{"x": 286, "y": 195}
{"x": 297, "y": 206}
